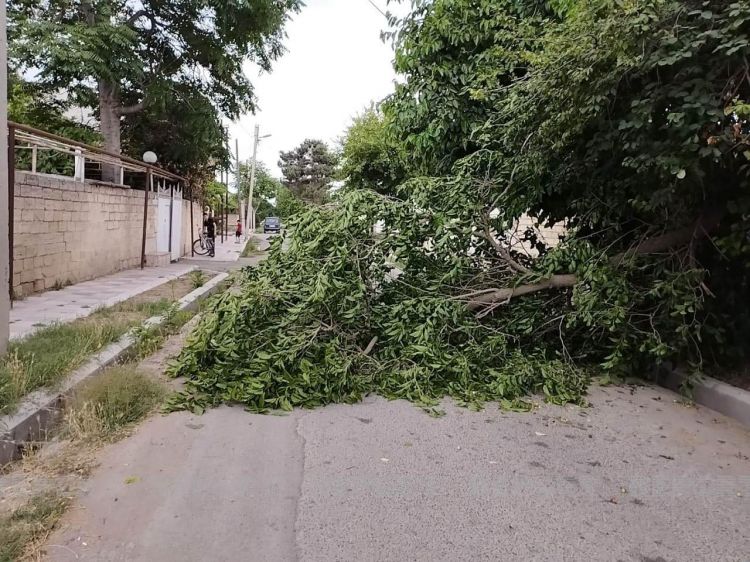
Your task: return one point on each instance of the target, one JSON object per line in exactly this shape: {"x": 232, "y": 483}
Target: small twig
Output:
{"x": 65, "y": 547}
{"x": 370, "y": 346}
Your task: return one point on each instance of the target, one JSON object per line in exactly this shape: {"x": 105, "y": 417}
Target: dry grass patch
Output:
{"x": 25, "y": 528}
{"x": 108, "y": 405}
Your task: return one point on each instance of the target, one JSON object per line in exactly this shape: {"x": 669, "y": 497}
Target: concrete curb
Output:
{"x": 41, "y": 409}
{"x": 732, "y": 401}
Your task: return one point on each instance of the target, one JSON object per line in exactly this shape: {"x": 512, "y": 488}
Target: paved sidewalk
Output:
{"x": 82, "y": 299}
{"x": 228, "y": 254}
{"x": 636, "y": 477}
{"x": 229, "y": 251}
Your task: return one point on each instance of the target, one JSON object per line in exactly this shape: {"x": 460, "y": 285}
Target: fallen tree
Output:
{"x": 665, "y": 242}
{"x": 625, "y": 125}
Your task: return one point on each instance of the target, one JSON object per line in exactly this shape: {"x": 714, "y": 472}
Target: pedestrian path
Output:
{"x": 226, "y": 251}
{"x": 81, "y": 299}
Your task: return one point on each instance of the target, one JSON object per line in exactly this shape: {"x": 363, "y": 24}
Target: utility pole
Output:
{"x": 5, "y": 255}
{"x": 238, "y": 183}
{"x": 225, "y": 217}
{"x": 250, "y": 212}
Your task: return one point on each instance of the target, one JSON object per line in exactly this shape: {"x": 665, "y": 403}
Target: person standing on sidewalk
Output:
{"x": 209, "y": 225}
{"x": 238, "y": 232}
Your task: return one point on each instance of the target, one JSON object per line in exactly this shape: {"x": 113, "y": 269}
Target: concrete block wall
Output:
{"x": 550, "y": 235}
{"x": 67, "y": 231}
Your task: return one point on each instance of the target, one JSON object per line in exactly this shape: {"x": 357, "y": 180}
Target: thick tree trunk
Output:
{"x": 109, "y": 119}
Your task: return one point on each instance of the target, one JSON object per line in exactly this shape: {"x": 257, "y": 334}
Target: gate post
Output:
{"x": 145, "y": 217}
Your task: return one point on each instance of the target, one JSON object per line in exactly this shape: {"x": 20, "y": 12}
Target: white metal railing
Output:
{"x": 25, "y": 138}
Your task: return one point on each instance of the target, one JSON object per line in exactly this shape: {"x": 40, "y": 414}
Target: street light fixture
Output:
{"x": 149, "y": 157}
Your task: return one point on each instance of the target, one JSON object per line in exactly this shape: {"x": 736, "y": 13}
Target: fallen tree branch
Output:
{"x": 500, "y": 250}
{"x": 508, "y": 293}
{"x": 702, "y": 227}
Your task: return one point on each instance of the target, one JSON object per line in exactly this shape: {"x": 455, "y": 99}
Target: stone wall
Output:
{"x": 67, "y": 231}
{"x": 549, "y": 235}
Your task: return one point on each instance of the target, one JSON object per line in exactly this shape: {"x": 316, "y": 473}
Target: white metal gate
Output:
{"x": 169, "y": 232}
{"x": 176, "y": 224}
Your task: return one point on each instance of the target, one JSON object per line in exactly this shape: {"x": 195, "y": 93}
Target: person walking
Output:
{"x": 238, "y": 232}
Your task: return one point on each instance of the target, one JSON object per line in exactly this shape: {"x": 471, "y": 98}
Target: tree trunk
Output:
{"x": 109, "y": 119}
{"x": 706, "y": 223}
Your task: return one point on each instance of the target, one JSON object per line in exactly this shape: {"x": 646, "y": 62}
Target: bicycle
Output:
{"x": 203, "y": 245}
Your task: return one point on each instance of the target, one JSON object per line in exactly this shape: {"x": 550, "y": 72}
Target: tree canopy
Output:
{"x": 123, "y": 57}
{"x": 184, "y": 130}
{"x": 265, "y": 192}
{"x": 308, "y": 170}
{"x": 626, "y": 121}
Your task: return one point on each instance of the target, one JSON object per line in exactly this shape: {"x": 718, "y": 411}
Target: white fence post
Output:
{"x": 80, "y": 166}
{"x": 33, "y": 158}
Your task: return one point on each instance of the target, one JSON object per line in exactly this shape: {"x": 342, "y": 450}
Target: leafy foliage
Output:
{"x": 146, "y": 48}
{"x": 297, "y": 333}
{"x": 371, "y": 157}
{"x": 309, "y": 170}
{"x": 287, "y": 204}
{"x": 627, "y": 121}
{"x": 31, "y": 105}
{"x": 184, "y": 130}
{"x": 214, "y": 194}
{"x": 454, "y": 55}
{"x": 123, "y": 58}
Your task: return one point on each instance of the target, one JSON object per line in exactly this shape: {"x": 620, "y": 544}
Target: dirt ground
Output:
{"x": 171, "y": 290}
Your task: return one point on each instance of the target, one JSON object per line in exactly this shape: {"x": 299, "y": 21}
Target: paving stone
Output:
{"x": 82, "y": 299}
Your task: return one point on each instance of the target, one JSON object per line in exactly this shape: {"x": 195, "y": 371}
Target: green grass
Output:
{"x": 251, "y": 248}
{"x": 149, "y": 340}
{"x": 197, "y": 278}
{"x": 107, "y": 404}
{"x": 29, "y": 524}
{"x": 50, "y": 354}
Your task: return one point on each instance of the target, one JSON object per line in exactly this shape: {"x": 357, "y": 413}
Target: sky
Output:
{"x": 336, "y": 65}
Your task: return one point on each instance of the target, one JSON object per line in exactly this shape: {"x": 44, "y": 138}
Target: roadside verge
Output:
{"x": 41, "y": 409}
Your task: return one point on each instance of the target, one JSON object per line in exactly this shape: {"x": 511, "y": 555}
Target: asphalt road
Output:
{"x": 636, "y": 477}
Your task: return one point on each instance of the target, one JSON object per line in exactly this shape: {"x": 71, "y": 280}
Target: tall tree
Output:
{"x": 184, "y": 130}
{"x": 265, "y": 191}
{"x": 266, "y": 186}
{"x": 453, "y": 55}
{"x": 309, "y": 170}
{"x": 120, "y": 56}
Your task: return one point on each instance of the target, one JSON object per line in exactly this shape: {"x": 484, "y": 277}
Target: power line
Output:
{"x": 374, "y": 5}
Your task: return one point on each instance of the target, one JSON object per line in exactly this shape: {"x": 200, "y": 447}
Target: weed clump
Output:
{"x": 111, "y": 402}
{"x": 30, "y": 524}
